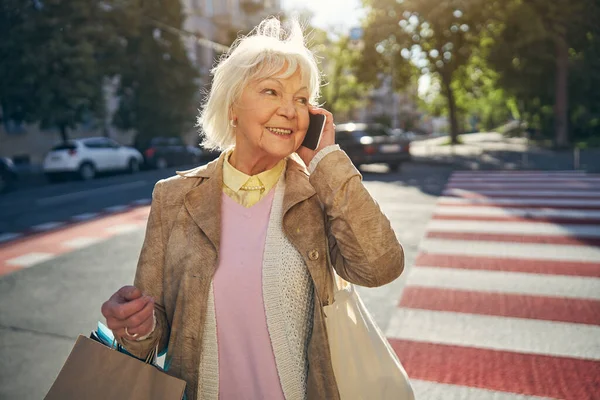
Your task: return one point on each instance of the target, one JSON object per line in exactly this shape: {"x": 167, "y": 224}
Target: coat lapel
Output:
{"x": 298, "y": 188}
{"x": 203, "y": 202}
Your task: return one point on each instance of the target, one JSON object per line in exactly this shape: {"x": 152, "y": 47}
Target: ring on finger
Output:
{"x": 131, "y": 335}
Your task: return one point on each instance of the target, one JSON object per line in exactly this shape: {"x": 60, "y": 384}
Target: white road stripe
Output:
{"x": 507, "y": 192}
{"x": 567, "y": 173}
{"x": 515, "y": 228}
{"x": 5, "y": 237}
{"x": 511, "y": 250}
{"x": 523, "y": 185}
{"x": 574, "y": 287}
{"x": 123, "y": 228}
{"x": 521, "y": 201}
{"x": 505, "y": 181}
{"x": 115, "y": 209}
{"x": 85, "y": 217}
{"x": 29, "y": 259}
{"x": 47, "y": 226}
{"x": 81, "y": 242}
{"x": 516, "y": 212}
{"x": 142, "y": 202}
{"x": 425, "y": 390}
{"x": 87, "y": 193}
{"x": 497, "y": 333}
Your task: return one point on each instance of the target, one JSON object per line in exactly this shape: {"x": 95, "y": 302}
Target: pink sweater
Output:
{"x": 247, "y": 368}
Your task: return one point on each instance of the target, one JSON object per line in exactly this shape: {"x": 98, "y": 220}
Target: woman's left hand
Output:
{"x": 327, "y": 137}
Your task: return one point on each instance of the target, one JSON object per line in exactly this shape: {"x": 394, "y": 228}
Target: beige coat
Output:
{"x": 179, "y": 256}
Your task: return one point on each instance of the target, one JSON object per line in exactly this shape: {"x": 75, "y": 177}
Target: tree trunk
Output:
{"x": 451, "y": 110}
{"x": 561, "y": 102}
{"x": 63, "y": 133}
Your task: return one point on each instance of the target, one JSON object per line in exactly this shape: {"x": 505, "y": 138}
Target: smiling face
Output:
{"x": 272, "y": 118}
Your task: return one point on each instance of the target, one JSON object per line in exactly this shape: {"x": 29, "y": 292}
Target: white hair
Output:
{"x": 263, "y": 53}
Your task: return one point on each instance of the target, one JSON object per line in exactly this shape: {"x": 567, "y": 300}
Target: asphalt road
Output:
{"x": 45, "y": 307}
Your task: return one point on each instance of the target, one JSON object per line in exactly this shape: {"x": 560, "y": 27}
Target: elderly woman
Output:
{"x": 235, "y": 267}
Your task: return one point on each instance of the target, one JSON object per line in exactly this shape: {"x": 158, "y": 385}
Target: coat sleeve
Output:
{"x": 363, "y": 246}
{"x": 149, "y": 279}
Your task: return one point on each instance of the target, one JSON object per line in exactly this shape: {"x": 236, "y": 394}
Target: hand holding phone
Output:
{"x": 314, "y": 131}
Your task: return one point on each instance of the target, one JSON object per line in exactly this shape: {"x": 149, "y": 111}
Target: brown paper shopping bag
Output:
{"x": 94, "y": 371}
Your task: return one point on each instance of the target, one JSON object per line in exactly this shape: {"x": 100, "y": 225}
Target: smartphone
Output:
{"x": 314, "y": 131}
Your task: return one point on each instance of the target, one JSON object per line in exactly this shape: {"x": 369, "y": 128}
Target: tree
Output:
{"x": 50, "y": 72}
{"x": 157, "y": 81}
{"x": 341, "y": 91}
{"x": 437, "y": 36}
{"x": 538, "y": 44}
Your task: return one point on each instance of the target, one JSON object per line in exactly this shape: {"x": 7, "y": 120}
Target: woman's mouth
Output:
{"x": 280, "y": 131}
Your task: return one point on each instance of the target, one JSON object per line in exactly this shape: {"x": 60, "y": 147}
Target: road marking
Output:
{"x": 122, "y": 228}
{"x": 537, "y": 185}
{"x": 29, "y": 259}
{"x": 503, "y": 201}
{"x": 443, "y": 391}
{"x": 86, "y": 193}
{"x": 116, "y": 209}
{"x": 575, "y": 287}
{"x": 509, "y": 264}
{"x": 5, "y": 237}
{"x": 528, "y": 193}
{"x": 511, "y": 250}
{"x": 550, "y": 308}
{"x": 504, "y": 371}
{"x": 496, "y": 333}
{"x": 517, "y": 212}
{"x": 142, "y": 202}
{"x": 47, "y": 226}
{"x": 84, "y": 217}
{"x": 513, "y": 228}
{"x": 82, "y": 241}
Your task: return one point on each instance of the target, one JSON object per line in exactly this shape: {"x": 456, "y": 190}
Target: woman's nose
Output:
{"x": 287, "y": 109}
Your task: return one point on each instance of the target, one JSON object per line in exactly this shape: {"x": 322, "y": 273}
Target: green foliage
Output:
{"x": 525, "y": 55}
{"x": 157, "y": 87}
{"x": 51, "y": 62}
{"x": 341, "y": 91}
{"x": 437, "y": 37}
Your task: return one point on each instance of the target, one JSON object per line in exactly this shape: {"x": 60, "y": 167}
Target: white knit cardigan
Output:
{"x": 288, "y": 299}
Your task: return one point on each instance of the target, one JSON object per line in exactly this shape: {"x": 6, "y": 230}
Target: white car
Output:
{"x": 87, "y": 157}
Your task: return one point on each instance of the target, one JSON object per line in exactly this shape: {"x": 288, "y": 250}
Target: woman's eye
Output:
{"x": 270, "y": 92}
{"x": 303, "y": 100}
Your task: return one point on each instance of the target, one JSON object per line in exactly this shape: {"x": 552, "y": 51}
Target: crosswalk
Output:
{"x": 504, "y": 298}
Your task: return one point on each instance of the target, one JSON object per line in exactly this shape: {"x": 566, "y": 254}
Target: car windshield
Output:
{"x": 64, "y": 146}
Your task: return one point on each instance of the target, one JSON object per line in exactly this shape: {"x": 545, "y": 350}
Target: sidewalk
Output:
{"x": 493, "y": 151}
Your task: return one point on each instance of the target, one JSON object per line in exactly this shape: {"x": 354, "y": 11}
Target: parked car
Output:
{"x": 163, "y": 152}
{"x": 85, "y": 158}
{"x": 372, "y": 144}
{"x": 8, "y": 174}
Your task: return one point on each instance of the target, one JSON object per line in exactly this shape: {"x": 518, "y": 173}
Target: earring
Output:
{"x": 232, "y": 123}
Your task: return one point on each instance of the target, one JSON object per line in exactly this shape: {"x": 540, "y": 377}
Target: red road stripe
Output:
{"x": 529, "y": 374}
{"x": 52, "y": 242}
{"x": 512, "y": 238}
{"x": 475, "y": 195}
{"x": 571, "y": 268}
{"x": 533, "y": 219}
{"x": 490, "y": 186}
{"x": 579, "y": 311}
{"x": 517, "y": 205}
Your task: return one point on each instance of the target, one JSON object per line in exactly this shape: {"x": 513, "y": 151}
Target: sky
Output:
{"x": 337, "y": 14}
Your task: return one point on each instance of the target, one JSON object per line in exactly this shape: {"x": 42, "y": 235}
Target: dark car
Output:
{"x": 372, "y": 144}
{"x": 8, "y": 174}
{"x": 163, "y": 152}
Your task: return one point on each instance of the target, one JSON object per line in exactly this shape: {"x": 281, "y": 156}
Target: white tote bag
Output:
{"x": 364, "y": 364}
